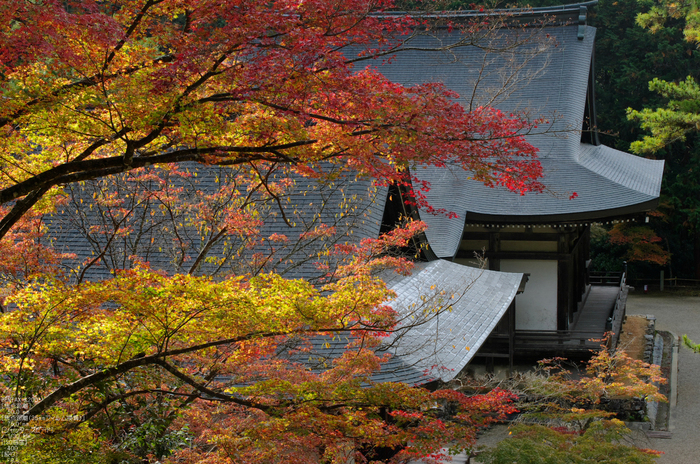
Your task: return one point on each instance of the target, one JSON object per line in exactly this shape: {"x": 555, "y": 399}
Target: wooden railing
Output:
{"x": 556, "y": 340}
{"x": 618, "y": 314}
{"x": 568, "y": 342}
{"x": 606, "y": 278}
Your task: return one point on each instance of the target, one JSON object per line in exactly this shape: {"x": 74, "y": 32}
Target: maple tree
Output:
{"x": 642, "y": 241}
{"x": 146, "y": 365}
{"x": 95, "y": 89}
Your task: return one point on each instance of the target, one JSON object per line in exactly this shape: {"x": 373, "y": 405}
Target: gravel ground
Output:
{"x": 679, "y": 315}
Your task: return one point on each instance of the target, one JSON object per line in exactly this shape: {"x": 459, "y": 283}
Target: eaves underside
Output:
{"x": 582, "y": 217}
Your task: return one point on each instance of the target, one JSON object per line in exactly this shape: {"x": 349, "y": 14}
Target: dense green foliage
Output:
{"x": 537, "y": 444}
{"x": 673, "y": 122}
{"x": 628, "y": 57}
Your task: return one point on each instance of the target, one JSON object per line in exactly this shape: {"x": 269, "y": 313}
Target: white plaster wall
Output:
{"x": 536, "y": 307}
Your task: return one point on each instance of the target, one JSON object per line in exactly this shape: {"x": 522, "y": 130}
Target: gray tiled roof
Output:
{"x": 551, "y": 84}
{"x": 354, "y": 206}
{"x": 470, "y": 302}
{"x": 445, "y": 311}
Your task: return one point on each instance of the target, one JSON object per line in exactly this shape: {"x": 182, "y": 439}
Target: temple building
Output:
{"x": 548, "y": 74}
{"x": 533, "y": 291}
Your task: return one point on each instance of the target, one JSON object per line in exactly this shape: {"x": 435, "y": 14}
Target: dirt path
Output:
{"x": 680, "y": 315}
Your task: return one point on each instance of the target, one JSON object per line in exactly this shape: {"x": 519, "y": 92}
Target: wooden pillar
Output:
{"x": 511, "y": 337}
{"x": 494, "y": 248}
{"x": 581, "y": 258}
{"x": 578, "y": 271}
{"x": 572, "y": 300}
{"x": 586, "y": 254}
{"x": 563, "y": 276}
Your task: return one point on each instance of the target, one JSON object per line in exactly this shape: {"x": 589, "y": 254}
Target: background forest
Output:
{"x": 628, "y": 57}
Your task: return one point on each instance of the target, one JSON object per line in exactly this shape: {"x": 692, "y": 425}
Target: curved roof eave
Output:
{"x": 609, "y": 184}
{"x": 584, "y": 217}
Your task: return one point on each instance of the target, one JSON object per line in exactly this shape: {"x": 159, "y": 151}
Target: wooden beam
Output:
{"x": 529, "y": 236}
{"x": 546, "y": 255}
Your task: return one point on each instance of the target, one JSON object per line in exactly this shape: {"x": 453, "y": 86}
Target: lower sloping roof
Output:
{"x": 446, "y": 312}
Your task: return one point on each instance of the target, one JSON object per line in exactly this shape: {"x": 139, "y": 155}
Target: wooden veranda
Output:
{"x": 600, "y": 312}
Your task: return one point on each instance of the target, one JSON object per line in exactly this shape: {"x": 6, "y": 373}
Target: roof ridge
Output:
{"x": 542, "y": 11}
